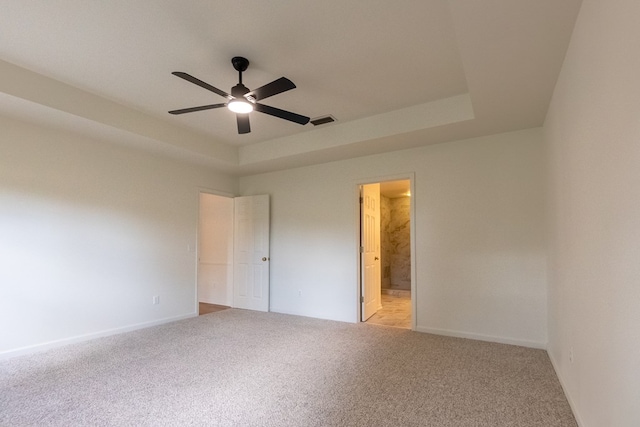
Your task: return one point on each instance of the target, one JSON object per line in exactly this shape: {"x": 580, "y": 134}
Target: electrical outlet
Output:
{"x": 299, "y": 292}
{"x": 155, "y": 300}
{"x": 571, "y": 354}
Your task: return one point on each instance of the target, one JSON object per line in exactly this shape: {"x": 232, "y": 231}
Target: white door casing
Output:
{"x": 370, "y": 252}
{"x": 251, "y": 253}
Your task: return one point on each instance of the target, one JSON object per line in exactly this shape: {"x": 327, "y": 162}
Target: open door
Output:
{"x": 251, "y": 253}
{"x": 370, "y": 249}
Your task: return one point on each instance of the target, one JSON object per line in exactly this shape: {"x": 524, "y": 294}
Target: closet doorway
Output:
{"x": 233, "y": 252}
{"x": 215, "y": 253}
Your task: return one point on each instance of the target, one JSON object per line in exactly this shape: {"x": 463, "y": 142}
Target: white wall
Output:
{"x": 480, "y": 261}
{"x": 593, "y": 135}
{"x": 89, "y": 232}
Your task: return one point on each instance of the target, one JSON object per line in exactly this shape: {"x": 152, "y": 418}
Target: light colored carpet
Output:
{"x": 243, "y": 368}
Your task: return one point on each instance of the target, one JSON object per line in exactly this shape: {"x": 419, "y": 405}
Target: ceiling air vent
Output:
{"x": 323, "y": 120}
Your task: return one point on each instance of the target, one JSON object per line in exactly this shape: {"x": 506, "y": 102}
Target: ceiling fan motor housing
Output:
{"x": 239, "y": 90}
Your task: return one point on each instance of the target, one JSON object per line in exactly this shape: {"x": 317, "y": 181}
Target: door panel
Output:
{"x": 370, "y": 243}
{"x": 257, "y": 281}
{"x": 251, "y": 253}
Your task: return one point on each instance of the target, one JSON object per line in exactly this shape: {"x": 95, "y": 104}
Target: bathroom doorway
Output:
{"x": 387, "y": 286}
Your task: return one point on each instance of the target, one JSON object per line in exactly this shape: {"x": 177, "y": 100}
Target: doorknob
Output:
{"x": 264, "y": 258}
{"x": 376, "y": 259}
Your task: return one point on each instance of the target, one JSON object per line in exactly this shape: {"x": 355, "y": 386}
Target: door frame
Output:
{"x": 410, "y": 176}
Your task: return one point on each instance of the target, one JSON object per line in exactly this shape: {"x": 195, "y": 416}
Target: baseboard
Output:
{"x": 311, "y": 316}
{"x": 87, "y": 337}
{"x": 564, "y": 389}
{"x": 480, "y": 337}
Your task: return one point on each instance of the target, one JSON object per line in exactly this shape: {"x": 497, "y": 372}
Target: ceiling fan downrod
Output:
{"x": 240, "y": 64}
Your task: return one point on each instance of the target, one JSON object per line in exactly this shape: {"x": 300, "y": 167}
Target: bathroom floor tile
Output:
{"x": 395, "y": 311}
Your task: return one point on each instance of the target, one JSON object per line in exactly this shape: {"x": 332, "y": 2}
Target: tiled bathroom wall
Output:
{"x": 395, "y": 242}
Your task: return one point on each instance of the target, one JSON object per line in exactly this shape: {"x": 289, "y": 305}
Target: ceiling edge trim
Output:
{"x": 419, "y": 117}
{"x": 30, "y": 86}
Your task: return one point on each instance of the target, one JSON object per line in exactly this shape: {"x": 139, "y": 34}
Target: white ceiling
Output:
{"x": 395, "y": 74}
{"x": 395, "y": 189}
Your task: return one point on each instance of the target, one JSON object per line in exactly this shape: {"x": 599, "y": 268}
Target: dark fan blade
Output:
{"x": 243, "y": 123}
{"x": 287, "y": 115}
{"x": 200, "y": 83}
{"x": 283, "y": 84}
{"x": 202, "y": 107}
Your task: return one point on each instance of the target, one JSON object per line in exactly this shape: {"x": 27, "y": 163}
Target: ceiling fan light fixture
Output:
{"x": 240, "y": 106}
{"x": 243, "y": 101}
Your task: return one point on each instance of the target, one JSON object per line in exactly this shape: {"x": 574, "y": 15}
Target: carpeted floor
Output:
{"x": 243, "y": 368}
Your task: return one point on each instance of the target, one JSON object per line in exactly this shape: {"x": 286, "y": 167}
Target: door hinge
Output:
{"x": 361, "y": 249}
{"x": 361, "y": 200}
{"x": 362, "y": 299}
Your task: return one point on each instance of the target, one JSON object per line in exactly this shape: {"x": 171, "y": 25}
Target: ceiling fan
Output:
{"x": 242, "y": 100}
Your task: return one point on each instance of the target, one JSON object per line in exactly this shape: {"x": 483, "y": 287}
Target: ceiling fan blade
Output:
{"x": 192, "y": 109}
{"x": 287, "y": 115}
{"x": 200, "y": 83}
{"x": 243, "y": 123}
{"x": 283, "y": 84}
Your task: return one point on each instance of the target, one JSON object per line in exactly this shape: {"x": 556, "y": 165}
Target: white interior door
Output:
{"x": 251, "y": 253}
{"x": 370, "y": 244}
